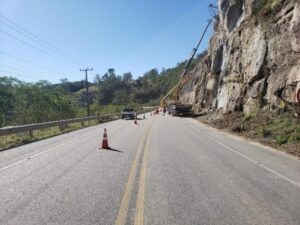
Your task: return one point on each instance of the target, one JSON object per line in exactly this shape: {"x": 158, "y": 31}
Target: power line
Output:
{"x": 10, "y": 73}
{"x": 37, "y": 42}
{"x": 14, "y": 26}
{"x": 34, "y": 70}
{"x": 22, "y": 33}
{"x": 22, "y": 66}
{"x": 23, "y": 42}
{"x": 31, "y": 46}
{"x": 28, "y": 62}
{"x": 25, "y": 71}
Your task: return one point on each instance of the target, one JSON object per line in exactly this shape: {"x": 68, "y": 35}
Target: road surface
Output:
{"x": 164, "y": 171}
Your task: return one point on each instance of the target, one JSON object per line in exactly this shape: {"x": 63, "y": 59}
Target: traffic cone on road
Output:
{"x": 105, "y": 140}
{"x": 135, "y": 119}
{"x": 135, "y": 122}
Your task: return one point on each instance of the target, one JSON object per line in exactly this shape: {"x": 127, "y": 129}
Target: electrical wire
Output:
{"x": 48, "y": 72}
{"x": 27, "y": 62}
{"x": 11, "y": 73}
{"x": 31, "y": 46}
{"x": 29, "y": 35}
{"x": 26, "y": 71}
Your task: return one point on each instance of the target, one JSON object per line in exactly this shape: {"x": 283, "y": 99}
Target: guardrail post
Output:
{"x": 61, "y": 127}
{"x": 31, "y": 133}
{"x": 82, "y": 123}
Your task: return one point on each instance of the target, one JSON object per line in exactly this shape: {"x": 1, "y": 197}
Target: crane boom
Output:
{"x": 175, "y": 90}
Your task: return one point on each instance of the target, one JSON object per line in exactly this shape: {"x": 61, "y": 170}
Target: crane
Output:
{"x": 177, "y": 107}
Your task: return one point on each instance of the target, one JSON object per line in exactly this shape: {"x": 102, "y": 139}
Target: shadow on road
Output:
{"x": 112, "y": 149}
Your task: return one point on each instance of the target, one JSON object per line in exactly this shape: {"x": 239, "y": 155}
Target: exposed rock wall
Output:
{"x": 254, "y": 52}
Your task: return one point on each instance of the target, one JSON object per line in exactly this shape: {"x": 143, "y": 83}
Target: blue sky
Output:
{"x": 127, "y": 35}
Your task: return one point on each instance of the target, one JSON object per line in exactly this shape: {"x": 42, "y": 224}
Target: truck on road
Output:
{"x": 171, "y": 100}
{"x": 128, "y": 113}
{"x": 181, "y": 110}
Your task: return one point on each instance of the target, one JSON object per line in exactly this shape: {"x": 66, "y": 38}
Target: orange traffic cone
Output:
{"x": 105, "y": 140}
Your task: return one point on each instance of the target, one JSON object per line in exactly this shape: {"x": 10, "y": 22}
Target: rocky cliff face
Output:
{"x": 253, "y": 53}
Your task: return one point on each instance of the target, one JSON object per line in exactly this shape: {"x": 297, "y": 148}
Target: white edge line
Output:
{"x": 252, "y": 160}
{"x": 43, "y": 152}
{"x": 245, "y": 139}
{"x": 38, "y": 154}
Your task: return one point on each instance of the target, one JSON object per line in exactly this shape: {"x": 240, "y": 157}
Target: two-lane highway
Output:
{"x": 166, "y": 170}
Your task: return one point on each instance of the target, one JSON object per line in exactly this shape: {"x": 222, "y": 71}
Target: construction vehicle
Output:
{"x": 171, "y": 100}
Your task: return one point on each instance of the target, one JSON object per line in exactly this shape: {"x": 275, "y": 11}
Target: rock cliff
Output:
{"x": 254, "y": 52}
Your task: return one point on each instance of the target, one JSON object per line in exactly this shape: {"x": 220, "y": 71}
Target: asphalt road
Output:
{"x": 164, "y": 171}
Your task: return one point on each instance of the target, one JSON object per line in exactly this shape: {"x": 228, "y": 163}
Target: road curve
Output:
{"x": 165, "y": 170}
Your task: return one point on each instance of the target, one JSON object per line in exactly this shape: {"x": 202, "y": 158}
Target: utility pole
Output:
{"x": 87, "y": 89}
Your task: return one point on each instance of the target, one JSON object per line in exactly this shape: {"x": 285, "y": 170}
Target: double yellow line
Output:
{"x": 140, "y": 203}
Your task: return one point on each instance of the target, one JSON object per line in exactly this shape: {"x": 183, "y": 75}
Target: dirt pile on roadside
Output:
{"x": 280, "y": 130}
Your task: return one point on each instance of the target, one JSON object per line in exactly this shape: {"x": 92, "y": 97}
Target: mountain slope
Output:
{"x": 253, "y": 57}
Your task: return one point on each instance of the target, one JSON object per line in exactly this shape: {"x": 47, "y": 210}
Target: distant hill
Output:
{"x": 25, "y": 103}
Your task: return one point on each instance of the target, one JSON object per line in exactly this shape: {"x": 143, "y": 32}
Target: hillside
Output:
{"x": 147, "y": 89}
{"x": 248, "y": 80}
{"x": 253, "y": 54}
{"x": 25, "y": 103}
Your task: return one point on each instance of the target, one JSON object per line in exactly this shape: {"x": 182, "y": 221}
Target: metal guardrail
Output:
{"x": 61, "y": 123}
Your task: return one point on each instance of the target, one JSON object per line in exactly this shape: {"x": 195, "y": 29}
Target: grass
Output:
{"x": 14, "y": 140}
{"x": 247, "y": 117}
{"x": 265, "y": 12}
{"x": 262, "y": 132}
{"x": 265, "y": 7}
{"x": 283, "y": 129}
{"x": 278, "y": 129}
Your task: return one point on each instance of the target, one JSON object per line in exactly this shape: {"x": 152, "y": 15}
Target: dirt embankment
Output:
{"x": 280, "y": 130}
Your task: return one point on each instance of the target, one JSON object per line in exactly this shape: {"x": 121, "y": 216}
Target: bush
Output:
{"x": 262, "y": 132}
{"x": 266, "y": 8}
{"x": 294, "y": 138}
{"x": 246, "y": 117}
{"x": 281, "y": 139}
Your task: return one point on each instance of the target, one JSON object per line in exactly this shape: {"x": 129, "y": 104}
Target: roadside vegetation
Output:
{"x": 14, "y": 140}
{"x": 26, "y": 103}
{"x": 277, "y": 129}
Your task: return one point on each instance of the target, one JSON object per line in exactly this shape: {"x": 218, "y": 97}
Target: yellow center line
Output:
{"x": 140, "y": 202}
{"x": 123, "y": 210}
